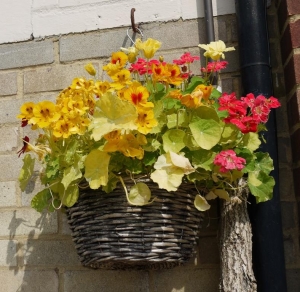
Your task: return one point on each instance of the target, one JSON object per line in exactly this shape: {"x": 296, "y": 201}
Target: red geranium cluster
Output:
{"x": 247, "y": 112}
{"x": 186, "y": 58}
{"x": 227, "y": 160}
{"x": 141, "y": 66}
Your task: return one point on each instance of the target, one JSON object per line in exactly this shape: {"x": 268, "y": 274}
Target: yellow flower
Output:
{"x": 121, "y": 79}
{"x": 145, "y": 120}
{"x": 128, "y": 144}
{"x": 101, "y": 87}
{"x": 90, "y": 69}
{"x": 192, "y": 100}
{"x": 111, "y": 69}
{"x": 174, "y": 74}
{"x": 26, "y": 111}
{"x": 132, "y": 53}
{"x": 137, "y": 94}
{"x": 119, "y": 58}
{"x": 64, "y": 128}
{"x": 160, "y": 72}
{"x": 44, "y": 113}
{"x": 206, "y": 89}
{"x": 215, "y": 50}
{"x": 149, "y": 47}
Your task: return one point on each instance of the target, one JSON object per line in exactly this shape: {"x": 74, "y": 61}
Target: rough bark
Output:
{"x": 236, "y": 245}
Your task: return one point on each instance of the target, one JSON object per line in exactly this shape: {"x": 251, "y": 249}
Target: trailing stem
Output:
{"x": 236, "y": 245}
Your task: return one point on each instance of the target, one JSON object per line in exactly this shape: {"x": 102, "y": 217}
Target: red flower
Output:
{"x": 215, "y": 66}
{"x": 25, "y": 146}
{"x": 245, "y": 124}
{"x": 227, "y": 160}
{"x": 186, "y": 58}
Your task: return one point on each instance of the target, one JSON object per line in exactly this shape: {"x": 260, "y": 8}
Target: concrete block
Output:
{"x": 9, "y": 138}
{"x": 106, "y": 281}
{"x": 182, "y": 280}
{"x": 8, "y": 253}
{"x": 50, "y": 253}
{"x": 12, "y": 165}
{"x": 53, "y": 78}
{"x": 8, "y": 83}
{"x": 27, "y": 222}
{"x": 26, "y": 54}
{"x": 65, "y": 228}
{"x": 29, "y": 281}
{"x": 8, "y": 194}
{"x": 9, "y": 109}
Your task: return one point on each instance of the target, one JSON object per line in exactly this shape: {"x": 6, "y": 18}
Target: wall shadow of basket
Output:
{"x": 111, "y": 234}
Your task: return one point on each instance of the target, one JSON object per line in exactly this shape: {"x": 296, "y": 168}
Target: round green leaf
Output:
{"x": 173, "y": 140}
{"x": 139, "y": 194}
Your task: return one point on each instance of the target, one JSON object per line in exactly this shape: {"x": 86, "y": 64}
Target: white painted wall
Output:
{"x": 19, "y": 19}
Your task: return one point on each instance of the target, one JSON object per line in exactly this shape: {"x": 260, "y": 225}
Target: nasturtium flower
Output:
{"x": 137, "y": 94}
{"x": 146, "y": 120}
{"x": 121, "y": 79}
{"x": 90, "y": 69}
{"x": 64, "y": 128}
{"x": 119, "y": 58}
{"x": 192, "y": 100}
{"x": 101, "y": 87}
{"x": 174, "y": 77}
{"x": 215, "y": 50}
{"x": 111, "y": 69}
{"x": 44, "y": 113}
{"x": 206, "y": 89}
{"x": 25, "y": 147}
{"x": 132, "y": 53}
{"x": 26, "y": 111}
{"x": 149, "y": 47}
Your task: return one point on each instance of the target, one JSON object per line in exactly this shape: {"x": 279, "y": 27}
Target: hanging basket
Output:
{"x": 111, "y": 234}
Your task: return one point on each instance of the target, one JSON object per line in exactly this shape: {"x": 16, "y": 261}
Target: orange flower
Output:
{"x": 206, "y": 89}
{"x": 138, "y": 95}
{"x": 174, "y": 74}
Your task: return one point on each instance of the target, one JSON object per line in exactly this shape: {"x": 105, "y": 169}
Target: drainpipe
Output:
{"x": 209, "y": 22}
{"x": 268, "y": 256}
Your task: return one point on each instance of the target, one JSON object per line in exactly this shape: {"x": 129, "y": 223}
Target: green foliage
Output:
{"x": 26, "y": 171}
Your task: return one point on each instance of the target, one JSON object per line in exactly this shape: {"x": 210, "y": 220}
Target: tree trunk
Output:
{"x": 236, "y": 245}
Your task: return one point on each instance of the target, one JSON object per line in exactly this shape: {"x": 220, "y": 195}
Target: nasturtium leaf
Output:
{"x": 71, "y": 174}
{"x": 171, "y": 103}
{"x": 261, "y": 185}
{"x": 111, "y": 183}
{"x": 152, "y": 145}
{"x": 215, "y": 93}
{"x": 229, "y": 134}
{"x": 69, "y": 154}
{"x": 203, "y": 158}
{"x": 41, "y": 200}
{"x": 149, "y": 158}
{"x": 96, "y": 168}
{"x": 251, "y": 141}
{"x": 190, "y": 142}
{"x": 26, "y": 171}
{"x": 168, "y": 178}
{"x": 207, "y": 113}
{"x": 158, "y": 109}
{"x": 139, "y": 194}
{"x": 222, "y": 194}
{"x": 211, "y": 196}
{"x": 207, "y": 133}
{"x": 263, "y": 162}
{"x": 111, "y": 113}
{"x": 200, "y": 203}
{"x": 70, "y": 196}
{"x": 177, "y": 119}
{"x": 173, "y": 140}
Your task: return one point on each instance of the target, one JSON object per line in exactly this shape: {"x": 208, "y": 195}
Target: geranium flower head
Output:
{"x": 214, "y": 66}
{"x": 215, "y": 50}
{"x": 227, "y": 160}
{"x": 186, "y": 58}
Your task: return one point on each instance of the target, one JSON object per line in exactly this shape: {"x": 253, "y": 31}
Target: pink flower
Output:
{"x": 234, "y": 106}
{"x": 227, "y": 160}
{"x": 186, "y": 58}
{"x": 245, "y": 124}
{"x": 215, "y": 66}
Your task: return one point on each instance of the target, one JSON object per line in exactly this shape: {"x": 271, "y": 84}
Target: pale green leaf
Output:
{"x": 173, "y": 140}
{"x": 70, "y": 175}
{"x": 70, "y": 196}
{"x": 139, "y": 194}
{"x": 203, "y": 158}
{"x": 207, "y": 133}
{"x": 200, "y": 203}
{"x": 251, "y": 141}
{"x": 177, "y": 119}
{"x": 222, "y": 194}
{"x": 211, "y": 196}
{"x": 261, "y": 185}
{"x": 111, "y": 113}
{"x": 207, "y": 113}
{"x": 168, "y": 178}
{"x": 96, "y": 168}
{"x": 263, "y": 162}
{"x": 41, "y": 200}
{"x": 26, "y": 171}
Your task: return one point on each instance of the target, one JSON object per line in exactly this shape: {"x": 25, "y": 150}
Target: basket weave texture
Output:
{"x": 111, "y": 234}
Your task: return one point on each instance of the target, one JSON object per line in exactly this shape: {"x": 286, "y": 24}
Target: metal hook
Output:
{"x": 138, "y": 30}
{"x": 133, "y": 25}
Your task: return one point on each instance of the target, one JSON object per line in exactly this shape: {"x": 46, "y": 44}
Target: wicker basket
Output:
{"x": 111, "y": 234}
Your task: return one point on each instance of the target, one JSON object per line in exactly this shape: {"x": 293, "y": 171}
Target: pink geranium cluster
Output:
{"x": 186, "y": 58}
{"x": 227, "y": 160}
{"x": 214, "y": 66}
{"x": 247, "y": 112}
